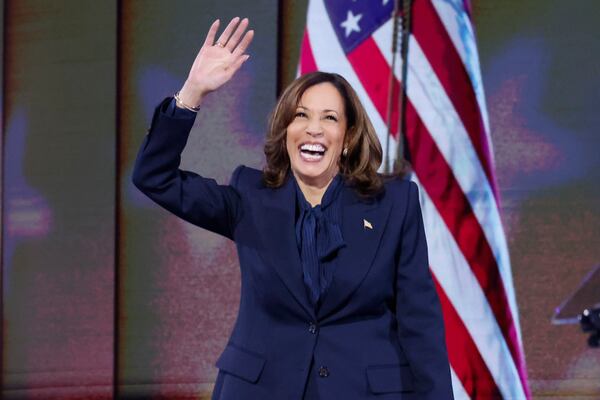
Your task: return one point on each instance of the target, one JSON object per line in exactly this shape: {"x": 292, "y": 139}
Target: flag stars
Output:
{"x": 351, "y": 23}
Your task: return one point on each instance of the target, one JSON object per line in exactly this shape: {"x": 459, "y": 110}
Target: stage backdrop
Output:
{"x": 541, "y": 71}
{"x": 104, "y": 293}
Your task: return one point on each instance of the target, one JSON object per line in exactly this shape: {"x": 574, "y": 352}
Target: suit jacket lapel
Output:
{"x": 363, "y": 224}
{"x": 279, "y": 238}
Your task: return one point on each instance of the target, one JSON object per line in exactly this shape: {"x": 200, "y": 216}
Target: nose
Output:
{"x": 314, "y": 128}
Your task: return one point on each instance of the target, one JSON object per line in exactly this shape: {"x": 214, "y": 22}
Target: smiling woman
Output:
{"x": 315, "y": 137}
{"x": 322, "y": 109}
{"x": 330, "y": 307}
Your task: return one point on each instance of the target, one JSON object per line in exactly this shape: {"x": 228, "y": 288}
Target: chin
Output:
{"x": 312, "y": 178}
{"x": 313, "y": 175}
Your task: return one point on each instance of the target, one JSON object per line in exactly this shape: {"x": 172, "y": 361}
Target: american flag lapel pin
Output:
{"x": 367, "y": 224}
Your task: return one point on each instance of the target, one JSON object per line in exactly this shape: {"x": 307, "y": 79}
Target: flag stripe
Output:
{"x": 450, "y": 70}
{"x": 459, "y": 391}
{"x": 307, "y": 59}
{"x": 374, "y": 73}
{"x": 463, "y": 354}
{"x": 458, "y": 26}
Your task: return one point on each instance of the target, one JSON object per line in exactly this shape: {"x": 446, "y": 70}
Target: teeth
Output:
{"x": 312, "y": 147}
{"x": 311, "y": 157}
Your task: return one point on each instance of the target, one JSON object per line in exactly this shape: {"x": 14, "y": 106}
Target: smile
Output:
{"x": 312, "y": 152}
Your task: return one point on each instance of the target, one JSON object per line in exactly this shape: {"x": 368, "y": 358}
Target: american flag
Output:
{"x": 448, "y": 142}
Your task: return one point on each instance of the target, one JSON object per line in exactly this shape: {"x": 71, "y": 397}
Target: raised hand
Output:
{"x": 218, "y": 61}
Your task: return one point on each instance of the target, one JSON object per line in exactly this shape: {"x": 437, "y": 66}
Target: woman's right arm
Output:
{"x": 198, "y": 200}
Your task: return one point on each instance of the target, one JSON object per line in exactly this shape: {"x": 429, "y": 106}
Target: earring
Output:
{"x": 345, "y": 152}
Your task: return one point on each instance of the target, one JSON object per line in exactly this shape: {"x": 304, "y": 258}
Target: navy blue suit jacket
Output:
{"x": 379, "y": 332}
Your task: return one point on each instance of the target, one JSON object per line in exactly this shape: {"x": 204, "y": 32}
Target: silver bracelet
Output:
{"x": 181, "y": 104}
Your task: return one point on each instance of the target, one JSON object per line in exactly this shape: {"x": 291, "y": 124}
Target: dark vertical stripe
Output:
{"x": 374, "y": 71}
{"x": 280, "y": 42}
{"x": 117, "y": 216}
{"x": 2, "y": 343}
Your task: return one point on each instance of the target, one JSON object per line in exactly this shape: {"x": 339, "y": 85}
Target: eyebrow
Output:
{"x": 327, "y": 110}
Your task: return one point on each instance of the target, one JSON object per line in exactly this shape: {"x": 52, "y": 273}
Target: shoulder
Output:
{"x": 397, "y": 188}
{"x": 246, "y": 178}
{"x": 403, "y": 195}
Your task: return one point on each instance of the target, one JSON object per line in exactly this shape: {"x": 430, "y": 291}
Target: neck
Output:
{"x": 313, "y": 192}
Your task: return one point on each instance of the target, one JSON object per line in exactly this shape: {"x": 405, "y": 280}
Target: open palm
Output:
{"x": 218, "y": 61}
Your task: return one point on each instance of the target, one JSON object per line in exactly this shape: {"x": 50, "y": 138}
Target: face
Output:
{"x": 315, "y": 137}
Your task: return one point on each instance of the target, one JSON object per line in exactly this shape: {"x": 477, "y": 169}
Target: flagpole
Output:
{"x": 390, "y": 103}
{"x": 401, "y": 165}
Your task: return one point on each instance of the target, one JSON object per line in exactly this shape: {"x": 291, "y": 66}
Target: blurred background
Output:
{"x": 104, "y": 293}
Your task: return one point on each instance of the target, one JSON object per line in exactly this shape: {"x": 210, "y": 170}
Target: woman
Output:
{"x": 337, "y": 301}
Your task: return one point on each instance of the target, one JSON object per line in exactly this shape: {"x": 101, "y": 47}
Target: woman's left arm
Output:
{"x": 418, "y": 310}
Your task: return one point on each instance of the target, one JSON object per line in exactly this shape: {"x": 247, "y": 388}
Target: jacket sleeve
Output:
{"x": 418, "y": 311}
{"x": 198, "y": 200}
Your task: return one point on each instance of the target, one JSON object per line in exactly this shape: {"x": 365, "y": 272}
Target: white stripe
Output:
{"x": 459, "y": 28}
{"x": 330, "y": 57}
{"x": 457, "y": 388}
{"x": 439, "y": 116}
{"x": 460, "y": 285}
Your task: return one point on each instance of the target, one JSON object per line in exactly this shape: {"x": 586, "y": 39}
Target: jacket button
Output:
{"x": 323, "y": 372}
{"x": 312, "y": 328}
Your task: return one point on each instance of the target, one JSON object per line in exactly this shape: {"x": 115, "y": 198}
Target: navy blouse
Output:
{"x": 319, "y": 237}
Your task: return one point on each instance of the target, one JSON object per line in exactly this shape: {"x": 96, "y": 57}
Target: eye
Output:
{"x": 331, "y": 117}
{"x": 300, "y": 114}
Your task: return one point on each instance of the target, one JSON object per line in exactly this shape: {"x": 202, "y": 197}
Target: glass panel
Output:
{"x": 586, "y": 296}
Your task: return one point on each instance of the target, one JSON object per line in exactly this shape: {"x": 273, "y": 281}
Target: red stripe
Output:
{"x": 464, "y": 355}
{"x": 454, "y": 208}
{"x": 439, "y": 181}
{"x": 307, "y": 59}
{"x": 439, "y": 49}
{"x": 374, "y": 73}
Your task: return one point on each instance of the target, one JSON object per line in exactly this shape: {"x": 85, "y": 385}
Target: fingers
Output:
{"x": 232, "y": 69}
{"x": 244, "y": 43}
{"x": 224, "y": 38}
{"x": 238, "y": 55}
{"x": 212, "y": 32}
{"x": 235, "y": 38}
